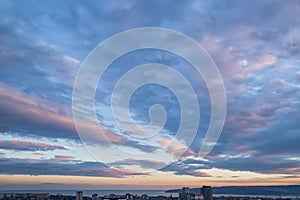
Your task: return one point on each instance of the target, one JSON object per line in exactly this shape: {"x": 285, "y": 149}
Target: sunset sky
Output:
{"x": 254, "y": 44}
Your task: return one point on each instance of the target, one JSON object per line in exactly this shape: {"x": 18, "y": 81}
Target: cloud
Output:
{"x": 64, "y": 158}
{"x": 36, "y": 117}
{"x": 33, "y": 115}
{"x": 147, "y": 164}
{"x": 188, "y": 167}
{"x": 36, "y": 167}
{"x": 257, "y": 142}
{"x": 42, "y": 46}
{"x": 22, "y": 145}
{"x": 35, "y": 60}
{"x": 273, "y": 165}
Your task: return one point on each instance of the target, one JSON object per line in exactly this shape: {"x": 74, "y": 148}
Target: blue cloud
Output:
{"x": 255, "y": 45}
{"x": 53, "y": 167}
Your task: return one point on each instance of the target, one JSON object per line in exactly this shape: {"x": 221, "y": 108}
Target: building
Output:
{"x": 207, "y": 193}
{"x": 144, "y": 197}
{"x": 204, "y": 194}
{"x": 185, "y": 194}
{"x": 79, "y": 195}
{"x": 95, "y": 197}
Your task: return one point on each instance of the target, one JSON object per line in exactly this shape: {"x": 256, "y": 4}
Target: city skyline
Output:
{"x": 255, "y": 46}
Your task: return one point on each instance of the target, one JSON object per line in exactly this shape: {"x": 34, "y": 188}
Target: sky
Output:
{"x": 254, "y": 44}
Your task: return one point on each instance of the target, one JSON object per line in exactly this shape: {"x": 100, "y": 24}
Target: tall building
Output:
{"x": 185, "y": 194}
{"x": 207, "y": 193}
{"x": 95, "y": 197}
{"x": 185, "y": 190}
{"x": 79, "y": 195}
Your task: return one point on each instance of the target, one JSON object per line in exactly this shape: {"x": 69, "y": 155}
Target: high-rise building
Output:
{"x": 204, "y": 194}
{"x": 207, "y": 192}
{"x": 95, "y": 197}
{"x": 79, "y": 195}
{"x": 185, "y": 194}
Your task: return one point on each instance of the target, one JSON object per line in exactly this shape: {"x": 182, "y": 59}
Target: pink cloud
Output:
{"x": 64, "y": 158}
{"x": 23, "y": 145}
{"x": 32, "y": 115}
